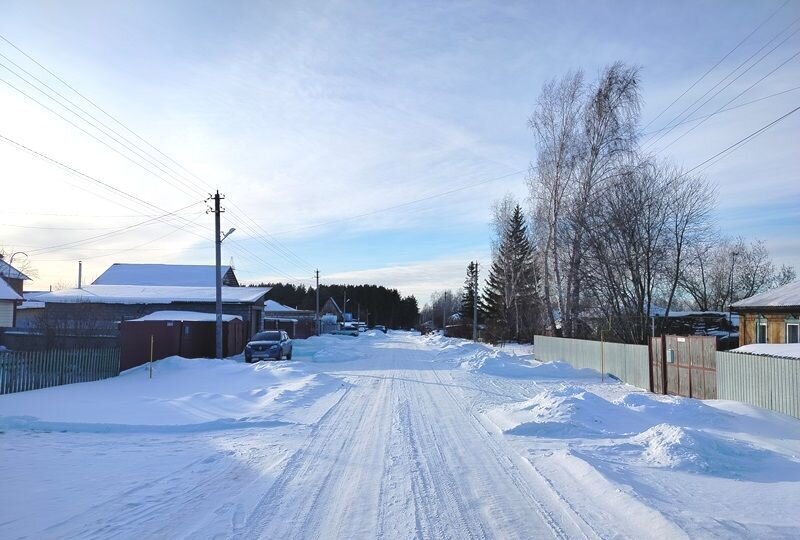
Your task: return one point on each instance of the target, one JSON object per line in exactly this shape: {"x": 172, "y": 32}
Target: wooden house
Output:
{"x": 770, "y": 317}
{"x": 11, "y": 281}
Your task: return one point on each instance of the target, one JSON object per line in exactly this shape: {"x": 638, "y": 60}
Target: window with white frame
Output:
{"x": 793, "y": 332}
{"x": 761, "y": 331}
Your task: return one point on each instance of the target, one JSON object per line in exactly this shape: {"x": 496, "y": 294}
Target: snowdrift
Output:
{"x": 330, "y": 348}
{"x": 183, "y": 395}
{"x": 566, "y": 411}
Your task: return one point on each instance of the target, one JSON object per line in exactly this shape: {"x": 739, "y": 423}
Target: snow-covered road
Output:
{"x": 395, "y": 436}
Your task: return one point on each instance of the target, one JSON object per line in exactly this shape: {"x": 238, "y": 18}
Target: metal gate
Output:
{"x": 684, "y": 366}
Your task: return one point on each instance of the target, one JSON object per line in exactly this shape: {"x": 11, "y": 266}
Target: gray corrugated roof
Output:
{"x": 166, "y": 275}
{"x": 786, "y": 296}
{"x": 9, "y": 271}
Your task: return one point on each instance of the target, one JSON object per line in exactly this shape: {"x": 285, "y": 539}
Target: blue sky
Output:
{"x": 309, "y": 113}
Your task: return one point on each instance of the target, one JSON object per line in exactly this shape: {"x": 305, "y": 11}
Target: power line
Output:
{"x": 741, "y": 142}
{"x": 404, "y": 204}
{"x": 92, "y": 135}
{"x": 273, "y": 244}
{"x": 680, "y": 115}
{"x": 737, "y": 96}
{"x": 695, "y": 83}
{"x": 80, "y": 174}
{"x": 746, "y": 103}
{"x": 108, "y": 234}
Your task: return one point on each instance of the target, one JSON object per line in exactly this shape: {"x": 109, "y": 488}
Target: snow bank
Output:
{"x": 329, "y": 348}
{"x": 699, "y": 452}
{"x": 786, "y": 350}
{"x": 183, "y": 395}
{"x": 566, "y": 411}
{"x": 513, "y": 361}
{"x": 500, "y": 364}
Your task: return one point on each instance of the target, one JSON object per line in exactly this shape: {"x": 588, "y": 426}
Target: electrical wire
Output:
{"x": 712, "y": 68}
{"x": 673, "y": 123}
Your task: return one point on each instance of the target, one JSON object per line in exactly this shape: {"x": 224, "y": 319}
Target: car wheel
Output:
{"x": 289, "y": 356}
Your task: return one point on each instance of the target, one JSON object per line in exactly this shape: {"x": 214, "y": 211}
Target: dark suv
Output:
{"x": 267, "y": 345}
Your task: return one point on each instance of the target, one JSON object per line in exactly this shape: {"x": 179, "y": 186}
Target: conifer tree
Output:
{"x": 468, "y": 296}
{"x": 509, "y": 294}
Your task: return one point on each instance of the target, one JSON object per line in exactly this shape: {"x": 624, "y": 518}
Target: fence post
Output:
{"x": 151, "y": 357}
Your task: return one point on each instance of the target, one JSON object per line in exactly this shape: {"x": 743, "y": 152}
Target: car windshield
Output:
{"x": 267, "y": 336}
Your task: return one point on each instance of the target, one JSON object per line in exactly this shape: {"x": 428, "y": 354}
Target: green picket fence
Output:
{"x": 31, "y": 370}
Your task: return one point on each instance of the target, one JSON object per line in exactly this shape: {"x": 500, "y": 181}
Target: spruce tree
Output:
{"x": 468, "y": 296}
{"x": 509, "y": 292}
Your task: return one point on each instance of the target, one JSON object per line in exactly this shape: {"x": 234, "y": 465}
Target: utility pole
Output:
{"x": 319, "y": 331}
{"x": 444, "y": 313}
{"x": 80, "y": 274}
{"x": 218, "y": 238}
{"x": 218, "y": 255}
{"x": 475, "y": 304}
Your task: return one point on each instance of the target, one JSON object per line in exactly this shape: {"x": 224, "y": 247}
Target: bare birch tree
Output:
{"x": 582, "y": 134}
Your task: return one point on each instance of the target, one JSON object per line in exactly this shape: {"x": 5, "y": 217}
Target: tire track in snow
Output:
{"x": 512, "y": 458}
{"x": 331, "y": 487}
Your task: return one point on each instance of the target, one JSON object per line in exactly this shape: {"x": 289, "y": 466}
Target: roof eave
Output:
{"x": 738, "y": 309}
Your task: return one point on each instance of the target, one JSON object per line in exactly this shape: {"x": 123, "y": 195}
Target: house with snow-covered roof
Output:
{"x": 131, "y": 291}
{"x": 11, "y": 281}
{"x": 770, "y": 317}
{"x": 298, "y": 323}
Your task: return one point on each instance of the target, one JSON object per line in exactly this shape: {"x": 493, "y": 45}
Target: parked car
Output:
{"x": 347, "y": 329}
{"x": 362, "y": 327}
{"x": 267, "y": 345}
{"x": 379, "y": 327}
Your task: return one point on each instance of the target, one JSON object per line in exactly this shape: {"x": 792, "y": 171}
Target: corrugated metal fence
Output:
{"x": 31, "y": 370}
{"x": 763, "y": 381}
{"x": 629, "y": 363}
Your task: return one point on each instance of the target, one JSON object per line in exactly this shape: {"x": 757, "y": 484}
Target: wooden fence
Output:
{"x": 31, "y": 370}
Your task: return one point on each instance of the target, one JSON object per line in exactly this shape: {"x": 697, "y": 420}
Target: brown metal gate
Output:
{"x": 684, "y": 366}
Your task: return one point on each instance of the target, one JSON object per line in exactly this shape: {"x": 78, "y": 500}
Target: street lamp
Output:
{"x": 11, "y": 259}
{"x": 730, "y": 295}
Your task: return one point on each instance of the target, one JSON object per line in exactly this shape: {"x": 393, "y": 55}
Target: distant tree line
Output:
{"x": 612, "y": 231}
{"x": 443, "y": 308}
{"x": 382, "y": 305}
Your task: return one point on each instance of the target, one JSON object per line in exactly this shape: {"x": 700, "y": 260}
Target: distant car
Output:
{"x": 268, "y": 345}
{"x": 362, "y": 327}
{"x": 347, "y": 329}
{"x": 379, "y": 327}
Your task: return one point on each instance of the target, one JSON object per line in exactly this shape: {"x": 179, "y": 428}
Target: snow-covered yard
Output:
{"x": 392, "y": 436}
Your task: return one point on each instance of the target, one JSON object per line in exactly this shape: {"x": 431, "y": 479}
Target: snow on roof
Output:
{"x": 185, "y": 316}
{"x": 7, "y": 270}
{"x": 6, "y": 292}
{"x": 659, "y": 311}
{"x": 31, "y": 301}
{"x": 786, "y": 296}
{"x": 136, "y": 294}
{"x": 785, "y": 350}
{"x": 181, "y": 275}
{"x": 272, "y": 305}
